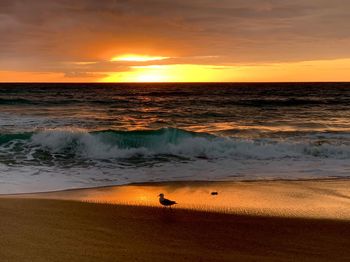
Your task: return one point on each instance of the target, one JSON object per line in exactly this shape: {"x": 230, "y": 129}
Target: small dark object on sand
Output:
{"x": 165, "y": 202}
{"x": 214, "y": 193}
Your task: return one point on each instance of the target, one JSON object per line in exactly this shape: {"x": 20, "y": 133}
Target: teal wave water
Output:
{"x": 112, "y": 144}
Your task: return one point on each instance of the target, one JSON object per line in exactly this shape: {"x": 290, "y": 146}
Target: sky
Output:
{"x": 174, "y": 40}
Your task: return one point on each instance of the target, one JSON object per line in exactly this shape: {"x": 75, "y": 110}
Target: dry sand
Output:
{"x": 61, "y": 230}
{"x": 55, "y": 230}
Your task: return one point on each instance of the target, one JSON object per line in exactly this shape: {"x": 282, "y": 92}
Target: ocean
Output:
{"x": 60, "y": 136}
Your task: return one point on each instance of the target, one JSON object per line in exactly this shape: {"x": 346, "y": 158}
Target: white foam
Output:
{"x": 20, "y": 179}
{"x": 101, "y": 146}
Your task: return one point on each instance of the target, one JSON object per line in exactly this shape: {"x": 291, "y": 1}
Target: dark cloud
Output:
{"x": 73, "y": 74}
{"x": 46, "y": 35}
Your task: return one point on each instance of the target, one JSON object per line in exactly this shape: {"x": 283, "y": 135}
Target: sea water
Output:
{"x": 59, "y": 136}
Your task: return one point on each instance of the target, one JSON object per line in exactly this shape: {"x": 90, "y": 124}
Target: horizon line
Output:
{"x": 209, "y": 82}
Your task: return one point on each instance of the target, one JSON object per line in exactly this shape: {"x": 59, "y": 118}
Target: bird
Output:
{"x": 214, "y": 193}
{"x": 165, "y": 202}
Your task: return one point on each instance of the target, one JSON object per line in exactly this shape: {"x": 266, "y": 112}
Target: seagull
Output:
{"x": 165, "y": 202}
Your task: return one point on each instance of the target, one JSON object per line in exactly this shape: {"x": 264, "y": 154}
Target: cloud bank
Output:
{"x": 60, "y": 35}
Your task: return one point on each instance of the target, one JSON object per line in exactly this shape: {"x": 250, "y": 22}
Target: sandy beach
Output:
{"x": 326, "y": 199}
{"x": 37, "y": 229}
{"x": 50, "y": 230}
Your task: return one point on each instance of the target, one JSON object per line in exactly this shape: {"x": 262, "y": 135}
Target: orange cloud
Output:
{"x": 322, "y": 70}
{"x": 319, "y": 70}
{"x": 43, "y": 36}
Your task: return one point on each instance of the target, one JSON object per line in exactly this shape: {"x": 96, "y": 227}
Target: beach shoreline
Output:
{"x": 321, "y": 198}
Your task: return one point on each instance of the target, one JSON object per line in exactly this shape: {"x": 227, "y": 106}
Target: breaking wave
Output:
{"x": 111, "y": 144}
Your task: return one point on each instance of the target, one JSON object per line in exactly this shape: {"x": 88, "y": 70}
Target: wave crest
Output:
{"x": 121, "y": 144}
{"x": 111, "y": 144}
{"x": 177, "y": 142}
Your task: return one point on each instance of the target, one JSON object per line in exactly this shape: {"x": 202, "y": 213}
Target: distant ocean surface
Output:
{"x": 59, "y": 136}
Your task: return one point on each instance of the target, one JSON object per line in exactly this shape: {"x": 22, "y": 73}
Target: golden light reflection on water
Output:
{"x": 321, "y": 199}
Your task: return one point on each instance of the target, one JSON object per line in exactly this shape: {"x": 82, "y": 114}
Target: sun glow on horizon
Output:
{"x": 167, "y": 73}
{"x": 137, "y": 58}
{"x": 318, "y": 70}
{"x": 307, "y": 71}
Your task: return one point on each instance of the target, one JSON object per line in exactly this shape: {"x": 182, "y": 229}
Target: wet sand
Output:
{"x": 37, "y": 229}
{"x": 328, "y": 199}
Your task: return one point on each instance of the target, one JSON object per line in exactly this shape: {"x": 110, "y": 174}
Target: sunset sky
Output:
{"x": 174, "y": 40}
